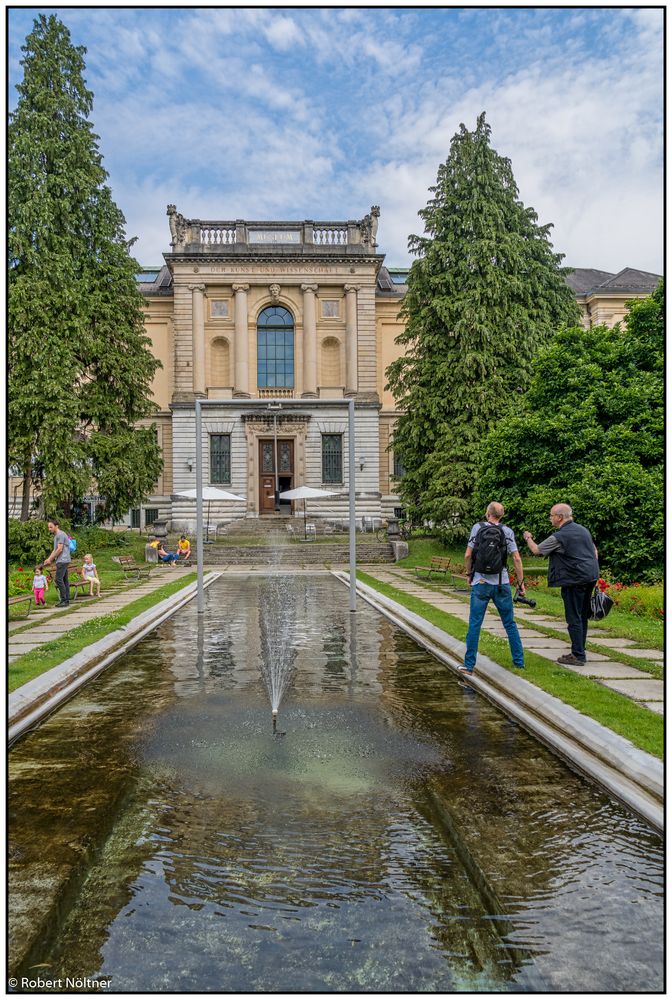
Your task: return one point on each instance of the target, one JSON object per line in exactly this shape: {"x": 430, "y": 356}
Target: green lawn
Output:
{"x": 50, "y": 654}
{"x": 646, "y": 632}
{"x": 644, "y": 728}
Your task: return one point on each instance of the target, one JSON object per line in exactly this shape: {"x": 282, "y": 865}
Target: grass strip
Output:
{"x": 650, "y": 668}
{"x": 620, "y": 624}
{"x": 615, "y": 711}
{"x": 50, "y": 654}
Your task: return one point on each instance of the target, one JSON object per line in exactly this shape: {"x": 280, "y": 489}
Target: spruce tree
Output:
{"x": 486, "y": 292}
{"x": 80, "y": 368}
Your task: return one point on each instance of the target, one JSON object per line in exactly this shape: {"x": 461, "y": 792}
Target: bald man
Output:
{"x": 572, "y": 566}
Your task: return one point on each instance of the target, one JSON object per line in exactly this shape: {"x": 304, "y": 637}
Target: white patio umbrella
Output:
{"x": 307, "y": 493}
{"x": 209, "y": 493}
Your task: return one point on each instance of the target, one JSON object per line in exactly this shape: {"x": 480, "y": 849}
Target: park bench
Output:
{"x": 22, "y": 598}
{"x": 437, "y": 564}
{"x": 131, "y": 568}
{"x": 75, "y": 582}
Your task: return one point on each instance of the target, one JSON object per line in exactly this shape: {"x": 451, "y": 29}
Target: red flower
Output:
{"x": 19, "y": 570}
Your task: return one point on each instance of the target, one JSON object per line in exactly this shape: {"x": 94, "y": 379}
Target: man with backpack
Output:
{"x": 488, "y": 548}
{"x": 572, "y": 566}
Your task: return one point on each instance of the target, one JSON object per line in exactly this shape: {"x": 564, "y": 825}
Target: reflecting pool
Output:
{"x": 402, "y": 835}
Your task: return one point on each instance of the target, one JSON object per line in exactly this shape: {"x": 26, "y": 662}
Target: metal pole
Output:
{"x": 200, "y": 598}
{"x": 351, "y": 474}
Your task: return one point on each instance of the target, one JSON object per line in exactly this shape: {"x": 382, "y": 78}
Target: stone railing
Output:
{"x": 214, "y": 234}
{"x": 276, "y": 393}
{"x": 330, "y": 234}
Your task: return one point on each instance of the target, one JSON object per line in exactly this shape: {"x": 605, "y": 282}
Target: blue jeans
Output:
{"x": 481, "y": 593}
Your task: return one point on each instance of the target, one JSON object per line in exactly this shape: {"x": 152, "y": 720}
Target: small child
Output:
{"x": 89, "y": 573}
{"x": 40, "y": 587}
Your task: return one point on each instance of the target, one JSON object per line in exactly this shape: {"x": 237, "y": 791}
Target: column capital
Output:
{"x": 309, "y": 288}
{"x": 352, "y": 288}
{"x": 240, "y": 288}
{"x": 197, "y": 288}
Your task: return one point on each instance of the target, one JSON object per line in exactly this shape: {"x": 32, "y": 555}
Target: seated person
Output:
{"x": 90, "y": 574}
{"x": 166, "y": 557}
{"x": 184, "y": 548}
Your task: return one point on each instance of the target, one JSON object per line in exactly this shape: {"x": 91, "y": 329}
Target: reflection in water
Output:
{"x": 402, "y": 836}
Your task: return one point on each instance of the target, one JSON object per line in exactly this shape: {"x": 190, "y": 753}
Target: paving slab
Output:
{"x": 609, "y": 669}
{"x": 654, "y": 706}
{"x": 646, "y": 689}
{"x": 647, "y": 654}
{"x": 540, "y": 642}
{"x": 611, "y": 643}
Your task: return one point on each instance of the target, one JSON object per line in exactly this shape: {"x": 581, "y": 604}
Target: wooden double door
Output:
{"x": 285, "y": 458}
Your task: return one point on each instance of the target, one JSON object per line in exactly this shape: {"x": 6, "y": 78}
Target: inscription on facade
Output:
{"x": 253, "y": 268}
{"x": 274, "y": 236}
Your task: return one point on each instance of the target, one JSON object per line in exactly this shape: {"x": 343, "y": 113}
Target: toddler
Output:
{"x": 89, "y": 573}
{"x": 40, "y": 587}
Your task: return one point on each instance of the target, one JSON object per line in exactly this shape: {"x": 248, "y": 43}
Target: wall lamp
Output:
{"x": 362, "y": 463}
{"x": 190, "y": 463}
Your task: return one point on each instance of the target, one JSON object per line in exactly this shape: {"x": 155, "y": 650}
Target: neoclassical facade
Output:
{"x": 293, "y": 312}
{"x": 289, "y": 311}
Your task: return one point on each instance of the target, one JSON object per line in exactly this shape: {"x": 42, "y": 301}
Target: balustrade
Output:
{"x": 330, "y": 236}
{"x": 217, "y": 235}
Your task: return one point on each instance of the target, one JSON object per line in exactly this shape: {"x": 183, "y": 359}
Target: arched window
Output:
{"x": 219, "y": 362}
{"x": 275, "y": 349}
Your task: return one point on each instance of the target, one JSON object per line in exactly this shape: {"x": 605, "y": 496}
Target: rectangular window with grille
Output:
{"x": 151, "y": 515}
{"x": 398, "y": 469}
{"x": 220, "y": 458}
{"x": 332, "y": 458}
{"x": 135, "y": 518}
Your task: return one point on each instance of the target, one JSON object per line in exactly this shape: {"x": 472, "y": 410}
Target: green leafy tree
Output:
{"x": 486, "y": 292}
{"x": 590, "y": 432}
{"x": 79, "y": 360}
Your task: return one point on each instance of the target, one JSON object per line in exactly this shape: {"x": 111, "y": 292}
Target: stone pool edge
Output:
{"x": 631, "y": 775}
{"x": 38, "y": 698}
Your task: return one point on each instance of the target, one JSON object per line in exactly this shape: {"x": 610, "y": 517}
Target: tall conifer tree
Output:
{"x": 79, "y": 360}
{"x": 485, "y": 293}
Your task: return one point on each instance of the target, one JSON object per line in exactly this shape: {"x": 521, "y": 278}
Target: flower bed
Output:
{"x": 646, "y": 600}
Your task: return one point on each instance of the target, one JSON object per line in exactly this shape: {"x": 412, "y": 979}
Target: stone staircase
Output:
{"x": 266, "y": 527}
{"x": 296, "y": 554}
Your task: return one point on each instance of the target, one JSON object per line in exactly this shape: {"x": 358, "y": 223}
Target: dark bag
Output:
{"x": 600, "y": 605}
{"x": 490, "y": 553}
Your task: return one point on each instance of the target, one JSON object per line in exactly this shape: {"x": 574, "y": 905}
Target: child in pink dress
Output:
{"x": 40, "y": 587}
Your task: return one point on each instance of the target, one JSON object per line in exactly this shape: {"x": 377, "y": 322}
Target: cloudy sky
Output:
{"x": 318, "y": 113}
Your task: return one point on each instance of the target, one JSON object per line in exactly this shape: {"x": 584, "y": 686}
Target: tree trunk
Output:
{"x": 25, "y": 498}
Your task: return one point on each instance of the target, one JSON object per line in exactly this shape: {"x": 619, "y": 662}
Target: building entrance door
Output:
{"x": 267, "y": 473}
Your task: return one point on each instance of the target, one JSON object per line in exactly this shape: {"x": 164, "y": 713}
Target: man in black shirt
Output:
{"x": 572, "y": 566}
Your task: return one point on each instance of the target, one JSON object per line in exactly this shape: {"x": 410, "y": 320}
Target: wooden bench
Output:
{"x": 437, "y": 564}
{"x": 131, "y": 568}
{"x": 27, "y": 598}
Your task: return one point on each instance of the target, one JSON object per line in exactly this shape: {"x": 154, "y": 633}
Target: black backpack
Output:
{"x": 490, "y": 553}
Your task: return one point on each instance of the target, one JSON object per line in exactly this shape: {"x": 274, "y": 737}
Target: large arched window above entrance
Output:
{"x": 275, "y": 349}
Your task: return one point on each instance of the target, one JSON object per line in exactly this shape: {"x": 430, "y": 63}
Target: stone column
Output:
{"x": 198, "y": 339}
{"x": 309, "y": 342}
{"x": 351, "y": 339}
{"x": 241, "y": 383}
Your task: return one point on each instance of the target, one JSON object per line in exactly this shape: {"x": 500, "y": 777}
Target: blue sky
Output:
{"x": 289, "y": 113}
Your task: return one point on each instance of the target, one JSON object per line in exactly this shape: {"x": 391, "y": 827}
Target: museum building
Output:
{"x": 289, "y": 312}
